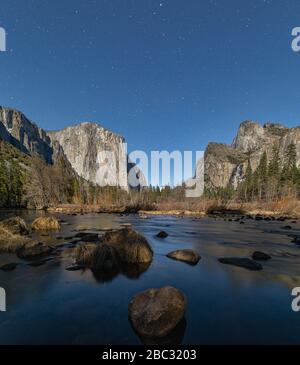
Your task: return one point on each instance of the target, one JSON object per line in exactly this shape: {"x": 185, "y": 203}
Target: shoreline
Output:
{"x": 250, "y": 210}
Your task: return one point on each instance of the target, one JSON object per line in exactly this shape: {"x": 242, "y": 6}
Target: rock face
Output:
{"x": 96, "y": 154}
{"x": 82, "y": 148}
{"x": 155, "y": 313}
{"x": 19, "y": 131}
{"x": 226, "y": 165}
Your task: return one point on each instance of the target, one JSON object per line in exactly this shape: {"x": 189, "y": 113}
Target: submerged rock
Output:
{"x": 296, "y": 240}
{"x": 75, "y": 267}
{"x": 260, "y": 256}
{"x": 45, "y": 224}
{"x": 162, "y": 234}
{"x": 155, "y": 313}
{"x": 241, "y": 262}
{"x": 33, "y": 249}
{"x": 92, "y": 237}
{"x": 37, "y": 263}
{"x": 8, "y": 267}
{"x": 287, "y": 227}
{"x": 188, "y": 256}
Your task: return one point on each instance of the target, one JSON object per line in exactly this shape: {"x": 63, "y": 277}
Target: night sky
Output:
{"x": 168, "y": 75}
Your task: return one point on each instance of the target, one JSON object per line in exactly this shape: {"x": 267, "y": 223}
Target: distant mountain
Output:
{"x": 226, "y": 165}
{"x": 81, "y": 146}
{"x": 84, "y": 145}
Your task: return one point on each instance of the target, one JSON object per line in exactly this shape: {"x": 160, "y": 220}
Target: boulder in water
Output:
{"x": 15, "y": 225}
{"x": 189, "y": 256}
{"x": 33, "y": 249}
{"x": 155, "y": 313}
{"x": 241, "y": 262}
{"x": 260, "y": 256}
{"x": 45, "y": 224}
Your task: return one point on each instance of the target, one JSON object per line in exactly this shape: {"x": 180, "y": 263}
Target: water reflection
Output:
{"x": 131, "y": 271}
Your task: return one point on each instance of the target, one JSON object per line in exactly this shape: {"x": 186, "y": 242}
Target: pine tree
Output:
{"x": 260, "y": 176}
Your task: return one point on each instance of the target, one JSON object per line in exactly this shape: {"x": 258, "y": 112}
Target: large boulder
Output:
{"x": 241, "y": 262}
{"x": 131, "y": 247}
{"x": 15, "y": 225}
{"x": 155, "y": 313}
{"x": 188, "y": 256}
{"x": 45, "y": 224}
{"x": 33, "y": 249}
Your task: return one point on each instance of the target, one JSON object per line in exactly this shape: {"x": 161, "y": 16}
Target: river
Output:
{"x": 226, "y": 304}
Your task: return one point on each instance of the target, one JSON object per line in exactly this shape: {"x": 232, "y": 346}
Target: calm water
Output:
{"x": 226, "y": 304}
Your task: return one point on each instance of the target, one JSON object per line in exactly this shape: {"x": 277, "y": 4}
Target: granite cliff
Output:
{"x": 91, "y": 151}
{"x": 226, "y": 165}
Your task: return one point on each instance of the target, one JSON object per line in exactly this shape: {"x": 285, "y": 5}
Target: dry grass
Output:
{"x": 15, "y": 225}
{"x": 10, "y": 242}
{"x": 285, "y": 206}
{"x": 45, "y": 223}
{"x": 123, "y": 246}
{"x": 130, "y": 245}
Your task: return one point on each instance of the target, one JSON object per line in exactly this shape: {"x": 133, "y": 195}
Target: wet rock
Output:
{"x": 296, "y": 240}
{"x": 92, "y": 237}
{"x": 242, "y": 222}
{"x": 241, "y": 262}
{"x": 258, "y": 218}
{"x": 33, "y": 249}
{"x": 162, "y": 234}
{"x": 155, "y": 313}
{"x": 287, "y": 227}
{"x": 37, "y": 263}
{"x": 143, "y": 216}
{"x": 191, "y": 233}
{"x": 174, "y": 338}
{"x": 281, "y": 219}
{"x": 260, "y": 256}
{"x": 45, "y": 224}
{"x": 8, "y": 267}
{"x": 75, "y": 267}
{"x": 188, "y": 256}
{"x": 15, "y": 225}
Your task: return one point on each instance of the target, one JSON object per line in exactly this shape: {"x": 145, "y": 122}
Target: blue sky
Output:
{"x": 166, "y": 74}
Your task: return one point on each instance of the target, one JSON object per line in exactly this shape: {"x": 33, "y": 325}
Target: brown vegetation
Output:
{"x": 45, "y": 223}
